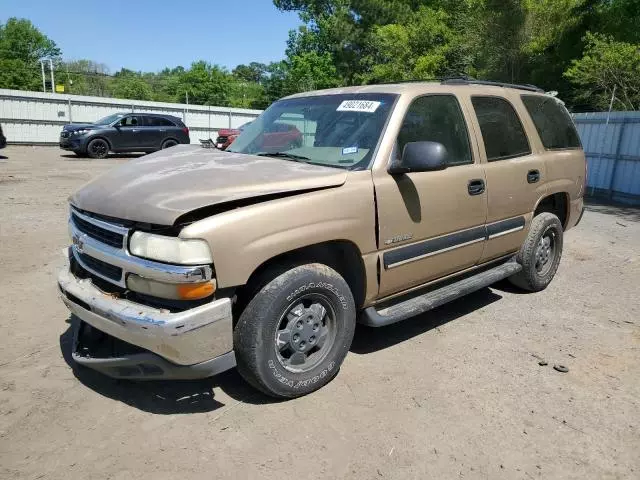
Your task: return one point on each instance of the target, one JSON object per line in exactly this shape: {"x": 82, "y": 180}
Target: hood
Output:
{"x": 160, "y": 187}
{"x": 77, "y": 126}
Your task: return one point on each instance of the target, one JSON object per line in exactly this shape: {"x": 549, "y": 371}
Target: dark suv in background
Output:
{"x": 3, "y": 140}
{"x": 124, "y": 132}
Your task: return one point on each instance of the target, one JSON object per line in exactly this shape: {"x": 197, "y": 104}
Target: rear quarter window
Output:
{"x": 159, "y": 122}
{"x": 552, "y": 121}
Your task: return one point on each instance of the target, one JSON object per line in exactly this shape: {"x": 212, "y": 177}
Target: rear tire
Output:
{"x": 168, "y": 144}
{"x": 98, "y": 148}
{"x": 295, "y": 332}
{"x": 540, "y": 253}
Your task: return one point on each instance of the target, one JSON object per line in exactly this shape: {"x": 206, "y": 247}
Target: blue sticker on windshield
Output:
{"x": 349, "y": 150}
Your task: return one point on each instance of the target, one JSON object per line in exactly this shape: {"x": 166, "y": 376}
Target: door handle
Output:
{"x": 476, "y": 187}
{"x": 533, "y": 176}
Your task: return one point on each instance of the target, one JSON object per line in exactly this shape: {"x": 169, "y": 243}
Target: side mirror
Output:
{"x": 420, "y": 157}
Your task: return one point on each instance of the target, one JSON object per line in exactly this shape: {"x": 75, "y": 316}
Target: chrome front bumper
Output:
{"x": 185, "y": 338}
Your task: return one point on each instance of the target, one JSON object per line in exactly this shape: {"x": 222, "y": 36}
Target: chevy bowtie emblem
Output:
{"x": 79, "y": 244}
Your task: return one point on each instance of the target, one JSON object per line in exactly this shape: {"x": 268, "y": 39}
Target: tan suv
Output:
{"x": 394, "y": 200}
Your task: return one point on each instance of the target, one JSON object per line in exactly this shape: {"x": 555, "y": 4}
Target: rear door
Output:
{"x": 515, "y": 173}
{"x": 156, "y": 130}
{"x": 431, "y": 224}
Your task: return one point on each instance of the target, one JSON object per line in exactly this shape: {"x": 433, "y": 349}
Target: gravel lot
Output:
{"x": 455, "y": 393}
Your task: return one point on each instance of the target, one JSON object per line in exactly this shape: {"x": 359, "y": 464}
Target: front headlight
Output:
{"x": 170, "y": 249}
{"x": 79, "y": 132}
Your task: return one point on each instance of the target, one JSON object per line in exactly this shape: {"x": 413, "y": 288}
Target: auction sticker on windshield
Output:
{"x": 368, "y": 106}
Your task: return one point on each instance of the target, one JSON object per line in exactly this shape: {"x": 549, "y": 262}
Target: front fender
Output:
{"x": 243, "y": 239}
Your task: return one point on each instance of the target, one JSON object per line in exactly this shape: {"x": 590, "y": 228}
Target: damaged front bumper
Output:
{"x": 195, "y": 343}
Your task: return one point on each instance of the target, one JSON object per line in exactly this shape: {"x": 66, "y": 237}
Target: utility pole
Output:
{"x": 53, "y": 86}
{"x": 44, "y": 88}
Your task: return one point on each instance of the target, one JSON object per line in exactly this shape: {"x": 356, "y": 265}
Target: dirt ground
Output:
{"x": 457, "y": 393}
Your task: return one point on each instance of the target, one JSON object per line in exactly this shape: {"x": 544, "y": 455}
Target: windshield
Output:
{"x": 110, "y": 119}
{"x": 334, "y": 130}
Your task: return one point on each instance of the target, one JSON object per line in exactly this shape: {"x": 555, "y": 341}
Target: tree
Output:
{"x": 85, "y": 77}
{"x": 607, "y": 65}
{"x": 131, "y": 85}
{"x": 21, "y": 47}
{"x": 310, "y": 71}
{"x": 254, "y": 72}
{"x": 20, "y": 40}
{"x": 206, "y": 84}
{"x": 246, "y": 95}
{"x": 414, "y": 50}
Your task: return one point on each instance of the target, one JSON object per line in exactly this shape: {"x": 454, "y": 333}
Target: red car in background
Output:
{"x": 226, "y": 136}
{"x": 280, "y": 135}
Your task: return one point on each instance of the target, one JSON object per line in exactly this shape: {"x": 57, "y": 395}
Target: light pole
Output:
{"x": 52, "y": 80}
{"x": 44, "y": 87}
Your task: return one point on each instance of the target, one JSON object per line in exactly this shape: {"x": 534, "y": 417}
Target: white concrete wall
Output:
{"x": 37, "y": 118}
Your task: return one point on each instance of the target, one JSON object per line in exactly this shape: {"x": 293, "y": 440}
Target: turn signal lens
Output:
{"x": 173, "y": 291}
{"x": 196, "y": 291}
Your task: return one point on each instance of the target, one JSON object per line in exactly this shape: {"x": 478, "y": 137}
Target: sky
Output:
{"x": 149, "y": 35}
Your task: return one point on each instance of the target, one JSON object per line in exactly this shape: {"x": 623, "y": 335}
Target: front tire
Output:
{"x": 98, "y": 148}
{"x": 295, "y": 332}
{"x": 540, "y": 253}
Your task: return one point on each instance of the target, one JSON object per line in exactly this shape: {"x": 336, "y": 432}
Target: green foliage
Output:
{"x": 347, "y": 42}
{"x": 206, "y": 84}
{"x": 18, "y": 75}
{"x": 310, "y": 71}
{"x": 84, "y": 77}
{"x": 605, "y": 66}
{"x": 20, "y": 40}
{"x": 21, "y": 47}
{"x": 520, "y": 41}
{"x": 254, "y": 72}
{"x": 128, "y": 84}
{"x": 416, "y": 49}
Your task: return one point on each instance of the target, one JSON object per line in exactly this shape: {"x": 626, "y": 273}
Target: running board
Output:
{"x": 428, "y": 301}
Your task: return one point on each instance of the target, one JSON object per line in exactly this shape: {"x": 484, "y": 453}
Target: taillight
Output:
{"x": 186, "y": 130}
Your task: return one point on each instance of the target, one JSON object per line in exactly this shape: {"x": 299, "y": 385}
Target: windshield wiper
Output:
{"x": 291, "y": 156}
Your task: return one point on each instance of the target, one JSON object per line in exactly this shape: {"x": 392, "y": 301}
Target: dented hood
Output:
{"x": 160, "y": 187}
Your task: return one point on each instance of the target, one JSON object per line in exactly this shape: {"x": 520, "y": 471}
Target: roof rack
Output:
{"x": 463, "y": 80}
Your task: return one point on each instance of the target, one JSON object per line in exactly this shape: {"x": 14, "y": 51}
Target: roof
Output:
{"x": 419, "y": 87}
{"x": 163, "y": 115}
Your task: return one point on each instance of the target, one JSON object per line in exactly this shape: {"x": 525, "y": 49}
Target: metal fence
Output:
{"x": 612, "y": 145}
{"x": 611, "y": 141}
{"x": 36, "y": 118}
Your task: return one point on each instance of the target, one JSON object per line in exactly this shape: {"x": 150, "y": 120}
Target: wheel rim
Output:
{"x": 306, "y": 333}
{"x": 170, "y": 144}
{"x": 99, "y": 148}
{"x": 545, "y": 252}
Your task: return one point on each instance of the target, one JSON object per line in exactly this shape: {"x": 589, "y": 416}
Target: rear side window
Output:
{"x": 552, "y": 121}
{"x": 159, "y": 122}
{"x": 437, "y": 118}
{"x": 502, "y": 131}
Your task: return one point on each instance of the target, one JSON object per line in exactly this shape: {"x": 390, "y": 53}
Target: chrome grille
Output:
{"x": 100, "y": 248}
{"x": 101, "y": 268}
{"x": 65, "y": 135}
{"x": 99, "y": 233}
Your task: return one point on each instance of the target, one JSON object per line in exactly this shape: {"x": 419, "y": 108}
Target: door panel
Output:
{"x": 444, "y": 222}
{"x": 515, "y": 173}
{"x": 431, "y": 223}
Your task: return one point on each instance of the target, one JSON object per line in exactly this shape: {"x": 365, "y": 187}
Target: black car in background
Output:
{"x": 3, "y": 139}
{"x": 124, "y": 132}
